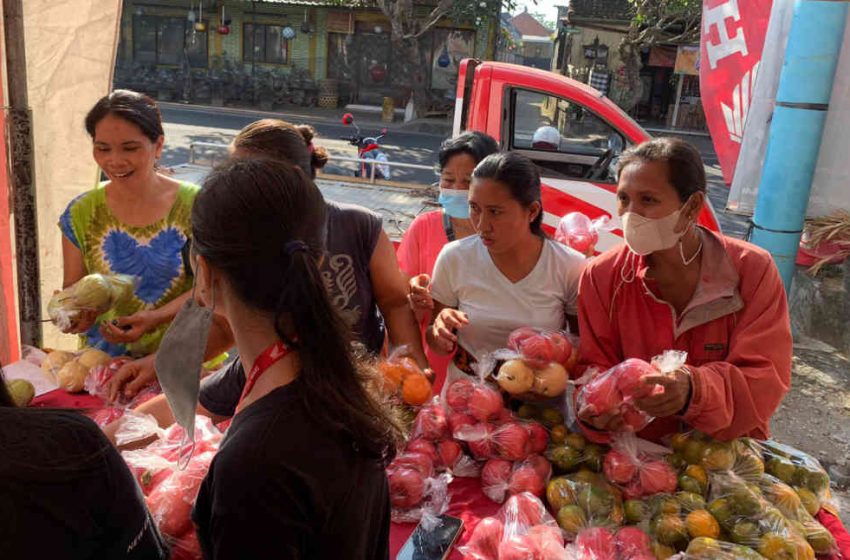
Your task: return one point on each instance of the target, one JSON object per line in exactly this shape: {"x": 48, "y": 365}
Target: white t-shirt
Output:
{"x": 466, "y": 278}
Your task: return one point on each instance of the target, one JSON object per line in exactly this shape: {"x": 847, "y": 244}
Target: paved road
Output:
{"x": 184, "y": 125}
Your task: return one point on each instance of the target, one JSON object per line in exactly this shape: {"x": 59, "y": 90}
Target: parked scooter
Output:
{"x": 367, "y": 148}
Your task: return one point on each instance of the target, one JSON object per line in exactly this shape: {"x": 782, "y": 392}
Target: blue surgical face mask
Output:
{"x": 455, "y": 202}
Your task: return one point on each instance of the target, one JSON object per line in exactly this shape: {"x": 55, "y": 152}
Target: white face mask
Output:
{"x": 646, "y": 235}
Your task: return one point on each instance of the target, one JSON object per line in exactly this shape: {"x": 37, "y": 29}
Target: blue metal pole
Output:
{"x": 802, "y": 100}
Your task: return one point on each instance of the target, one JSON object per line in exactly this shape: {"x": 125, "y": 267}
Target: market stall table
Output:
{"x": 468, "y": 502}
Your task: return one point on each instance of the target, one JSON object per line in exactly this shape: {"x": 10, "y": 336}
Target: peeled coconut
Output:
{"x": 93, "y": 357}
{"x": 515, "y": 377}
{"x": 55, "y": 360}
{"x": 21, "y": 390}
{"x": 72, "y": 377}
{"x": 550, "y": 381}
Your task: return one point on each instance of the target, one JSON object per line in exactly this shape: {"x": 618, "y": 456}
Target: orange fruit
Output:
{"x": 416, "y": 389}
{"x": 697, "y": 473}
{"x": 700, "y": 523}
{"x": 394, "y": 372}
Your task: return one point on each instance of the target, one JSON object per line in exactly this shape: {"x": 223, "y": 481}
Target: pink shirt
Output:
{"x": 417, "y": 253}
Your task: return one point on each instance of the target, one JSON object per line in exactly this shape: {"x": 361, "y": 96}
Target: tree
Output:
{"x": 654, "y": 21}
{"x": 411, "y": 20}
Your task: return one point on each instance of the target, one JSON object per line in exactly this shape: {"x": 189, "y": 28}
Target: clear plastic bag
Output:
{"x": 704, "y": 548}
{"x": 403, "y": 379}
{"x": 521, "y": 530}
{"x": 97, "y": 293}
{"x": 417, "y": 492}
{"x": 751, "y": 520}
{"x": 798, "y": 469}
{"x": 614, "y": 391}
{"x": 501, "y": 478}
{"x": 582, "y": 500}
{"x": 602, "y": 543}
{"x": 790, "y": 504}
{"x": 171, "y": 502}
{"x": 69, "y": 370}
{"x": 638, "y": 467}
{"x": 577, "y": 231}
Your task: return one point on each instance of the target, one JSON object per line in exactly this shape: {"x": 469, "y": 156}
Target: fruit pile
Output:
{"x": 536, "y": 362}
{"x": 96, "y": 293}
{"x": 403, "y": 379}
{"x": 170, "y": 492}
{"x": 522, "y": 530}
{"x": 69, "y": 370}
{"x": 577, "y": 231}
{"x": 615, "y": 391}
{"x": 638, "y": 467}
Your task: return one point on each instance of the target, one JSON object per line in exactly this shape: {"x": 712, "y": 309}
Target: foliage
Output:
{"x": 654, "y": 21}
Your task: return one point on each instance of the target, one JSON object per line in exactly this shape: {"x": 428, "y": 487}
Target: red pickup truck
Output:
{"x": 511, "y": 103}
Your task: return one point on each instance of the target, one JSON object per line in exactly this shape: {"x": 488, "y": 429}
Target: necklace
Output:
{"x": 693, "y": 257}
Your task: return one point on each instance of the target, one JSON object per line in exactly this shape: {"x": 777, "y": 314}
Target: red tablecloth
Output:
{"x": 468, "y": 501}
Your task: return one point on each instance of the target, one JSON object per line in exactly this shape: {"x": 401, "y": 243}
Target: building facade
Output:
{"x": 280, "y": 52}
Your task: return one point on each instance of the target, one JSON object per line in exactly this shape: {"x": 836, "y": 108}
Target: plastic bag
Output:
{"x": 751, "y": 520}
{"x": 638, "y": 467}
{"x": 536, "y": 362}
{"x": 403, "y": 379}
{"x": 577, "y": 231}
{"x": 584, "y": 499}
{"x": 698, "y": 454}
{"x": 69, "y": 370}
{"x": 416, "y": 490}
{"x": 704, "y": 548}
{"x": 521, "y": 530}
{"x": 501, "y": 478}
{"x": 601, "y": 543}
{"x": 790, "y": 504}
{"x": 171, "y": 502}
{"x": 96, "y": 292}
{"x": 614, "y": 391}
{"x": 574, "y": 453}
{"x": 798, "y": 469}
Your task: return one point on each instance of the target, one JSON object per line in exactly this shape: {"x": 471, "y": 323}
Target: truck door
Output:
{"x": 575, "y": 150}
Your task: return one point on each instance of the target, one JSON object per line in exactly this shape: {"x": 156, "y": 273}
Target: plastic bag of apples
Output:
{"x": 536, "y": 362}
{"x": 522, "y": 530}
{"x": 615, "y": 391}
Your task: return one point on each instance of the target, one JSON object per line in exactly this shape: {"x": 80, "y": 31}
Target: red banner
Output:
{"x": 8, "y": 311}
{"x": 731, "y": 43}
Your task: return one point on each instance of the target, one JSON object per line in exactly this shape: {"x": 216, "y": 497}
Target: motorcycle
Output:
{"x": 367, "y": 148}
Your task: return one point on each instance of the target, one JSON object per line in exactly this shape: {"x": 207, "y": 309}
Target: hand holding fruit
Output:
{"x": 132, "y": 377}
{"x": 443, "y": 330}
{"x": 420, "y": 293}
{"x": 674, "y": 398}
{"x": 125, "y": 330}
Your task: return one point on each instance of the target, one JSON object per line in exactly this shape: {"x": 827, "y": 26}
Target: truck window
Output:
{"x": 564, "y": 139}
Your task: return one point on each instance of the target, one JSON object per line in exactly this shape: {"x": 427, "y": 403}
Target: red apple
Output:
{"x": 550, "y": 538}
{"x": 526, "y": 509}
{"x": 519, "y": 547}
{"x": 618, "y": 467}
{"x": 526, "y": 479}
{"x": 420, "y": 462}
{"x": 485, "y": 403}
{"x": 634, "y": 419}
{"x": 422, "y": 446}
{"x": 494, "y": 479}
{"x": 458, "y": 420}
{"x": 537, "y": 351}
{"x": 431, "y": 423}
{"x": 632, "y": 542}
{"x": 541, "y": 465}
{"x": 538, "y": 437}
{"x": 562, "y": 348}
{"x": 600, "y": 396}
{"x": 486, "y": 537}
{"x": 407, "y": 487}
{"x": 510, "y": 441}
{"x": 518, "y": 336}
{"x": 504, "y": 417}
{"x": 458, "y": 394}
{"x": 479, "y": 438}
{"x": 597, "y": 543}
{"x": 657, "y": 477}
{"x": 449, "y": 453}
{"x": 630, "y": 376}
{"x": 633, "y": 490}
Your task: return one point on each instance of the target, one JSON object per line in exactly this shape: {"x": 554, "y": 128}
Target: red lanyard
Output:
{"x": 270, "y": 356}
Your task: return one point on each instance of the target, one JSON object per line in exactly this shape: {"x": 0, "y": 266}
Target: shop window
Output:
{"x": 163, "y": 40}
{"x": 563, "y": 138}
{"x": 264, "y": 43}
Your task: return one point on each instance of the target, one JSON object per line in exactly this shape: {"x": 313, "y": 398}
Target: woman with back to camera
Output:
{"x": 65, "y": 491}
{"x": 300, "y": 473}
{"x": 508, "y": 276}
